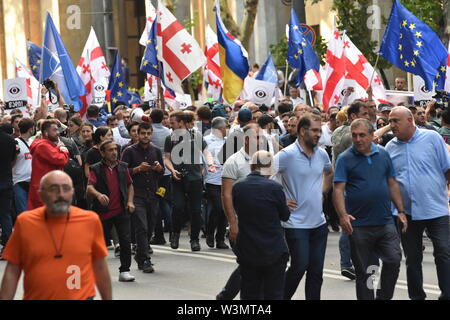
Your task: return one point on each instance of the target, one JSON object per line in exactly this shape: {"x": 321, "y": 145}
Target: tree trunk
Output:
{"x": 248, "y": 22}
{"x": 228, "y": 20}
{"x": 444, "y": 24}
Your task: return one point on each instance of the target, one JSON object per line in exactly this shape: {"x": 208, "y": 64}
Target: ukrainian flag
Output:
{"x": 233, "y": 61}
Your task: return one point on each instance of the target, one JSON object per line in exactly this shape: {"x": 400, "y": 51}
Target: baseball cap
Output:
{"x": 244, "y": 115}
{"x": 386, "y": 108}
{"x": 218, "y": 111}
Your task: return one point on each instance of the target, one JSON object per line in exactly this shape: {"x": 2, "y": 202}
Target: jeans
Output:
{"x": 263, "y": 283}
{"x": 6, "y": 201}
{"x": 20, "y": 198}
{"x": 192, "y": 192}
{"x": 438, "y": 232}
{"x": 307, "y": 249}
{"x": 144, "y": 221}
{"x": 385, "y": 241}
{"x": 122, "y": 225}
{"x": 217, "y": 219}
{"x": 165, "y": 209}
{"x": 344, "y": 250}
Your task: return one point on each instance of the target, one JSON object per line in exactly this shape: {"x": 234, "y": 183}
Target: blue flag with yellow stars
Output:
{"x": 149, "y": 62}
{"x": 34, "y": 58}
{"x": 117, "y": 85}
{"x": 414, "y": 47}
{"x": 301, "y": 54}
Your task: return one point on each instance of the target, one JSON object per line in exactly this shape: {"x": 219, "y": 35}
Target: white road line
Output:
{"x": 328, "y": 273}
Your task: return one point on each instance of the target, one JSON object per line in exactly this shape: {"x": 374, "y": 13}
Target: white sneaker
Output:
{"x": 126, "y": 277}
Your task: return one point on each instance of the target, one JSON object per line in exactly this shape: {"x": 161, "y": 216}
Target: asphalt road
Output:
{"x": 185, "y": 275}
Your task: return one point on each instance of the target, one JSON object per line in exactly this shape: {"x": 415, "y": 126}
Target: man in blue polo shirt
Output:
{"x": 366, "y": 174}
{"x": 305, "y": 173}
{"x": 422, "y": 163}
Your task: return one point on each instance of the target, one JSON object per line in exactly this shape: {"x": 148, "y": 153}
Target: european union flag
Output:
{"x": 117, "y": 84}
{"x": 268, "y": 72}
{"x": 412, "y": 46}
{"x": 301, "y": 54}
{"x": 149, "y": 62}
{"x": 34, "y": 58}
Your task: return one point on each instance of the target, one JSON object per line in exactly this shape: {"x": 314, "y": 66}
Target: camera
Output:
{"x": 48, "y": 84}
{"x": 444, "y": 98}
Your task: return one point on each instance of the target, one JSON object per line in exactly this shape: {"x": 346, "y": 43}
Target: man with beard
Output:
{"x": 305, "y": 172}
{"x": 67, "y": 260}
{"x": 48, "y": 154}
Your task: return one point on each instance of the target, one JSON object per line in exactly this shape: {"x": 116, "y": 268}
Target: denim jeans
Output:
{"x": 344, "y": 250}
{"x": 122, "y": 224}
{"x": 438, "y": 232}
{"x": 217, "y": 220}
{"x": 263, "y": 283}
{"x": 307, "y": 250}
{"x": 20, "y": 198}
{"x": 187, "y": 192}
{"x": 385, "y": 242}
{"x": 6, "y": 201}
{"x": 144, "y": 221}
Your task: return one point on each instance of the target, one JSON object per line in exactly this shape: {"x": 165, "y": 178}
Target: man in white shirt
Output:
{"x": 22, "y": 167}
{"x": 217, "y": 222}
{"x": 295, "y": 96}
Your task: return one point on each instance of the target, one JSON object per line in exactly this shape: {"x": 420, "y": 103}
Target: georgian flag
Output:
{"x": 32, "y": 83}
{"x": 178, "y": 51}
{"x": 148, "y": 25}
{"x": 212, "y": 67}
{"x": 92, "y": 69}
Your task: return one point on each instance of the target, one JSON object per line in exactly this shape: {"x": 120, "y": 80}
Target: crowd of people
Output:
{"x": 273, "y": 180}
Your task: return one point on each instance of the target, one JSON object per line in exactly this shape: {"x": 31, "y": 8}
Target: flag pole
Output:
{"x": 374, "y": 69}
{"x": 286, "y": 78}
{"x": 311, "y": 98}
{"x": 160, "y": 91}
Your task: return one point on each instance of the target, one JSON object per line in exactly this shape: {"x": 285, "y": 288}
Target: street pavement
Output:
{"x": 185, "y": 275}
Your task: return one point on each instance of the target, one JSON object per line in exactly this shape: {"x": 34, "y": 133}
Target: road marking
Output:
{"x": 328, "y": 273}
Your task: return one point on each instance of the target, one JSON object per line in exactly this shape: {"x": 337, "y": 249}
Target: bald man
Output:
{"x": 422, "y": 164}
{"x": 67, "y": 260}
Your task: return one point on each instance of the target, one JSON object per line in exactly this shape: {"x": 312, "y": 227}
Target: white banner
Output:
{"x": 420, "y": 92}
{"x": 15, "y": 93}
{"x": 257, "y": 91}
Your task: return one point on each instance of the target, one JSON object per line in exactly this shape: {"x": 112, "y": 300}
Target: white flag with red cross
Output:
{"x": 359, "y": 72}
{"x": 92, "y": 68}
{"x": 151, "y": 88}
{"x": 334, "y": 71}
{"x": 148, "y": 25}
{"x": 212, "y": 67}
{"x": 32, "y": 83}
{"x": 179, "y": 53}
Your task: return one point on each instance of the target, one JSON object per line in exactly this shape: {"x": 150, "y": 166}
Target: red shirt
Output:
{"x": 115, "y": 205}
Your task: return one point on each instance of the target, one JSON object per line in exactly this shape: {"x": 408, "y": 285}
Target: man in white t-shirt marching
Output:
{"x": 22, "y": 167}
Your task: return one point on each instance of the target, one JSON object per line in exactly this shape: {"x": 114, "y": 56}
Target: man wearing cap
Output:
{"x": 235, "y": 137}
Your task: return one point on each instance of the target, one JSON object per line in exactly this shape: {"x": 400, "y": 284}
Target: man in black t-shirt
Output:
{"x": 184, "y": 152}
{"x": 8, "y": 156}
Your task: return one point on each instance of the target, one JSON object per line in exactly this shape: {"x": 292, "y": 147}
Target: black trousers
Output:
{"x": 263, "y": 283}
{"x": 217, "y": 220}
{"x": 144, "y": 222}
{"x": 122, "y": 224}
{"x": 385, "y": 242}
{"x": 187, "y": 192}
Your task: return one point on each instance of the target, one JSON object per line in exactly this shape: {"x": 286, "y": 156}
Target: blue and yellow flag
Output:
{"x": 301, "y": 54}
{"x": 117, "y": 84}
{"x": 233, "y": 61}
{"x": 34, "y": 58}
{"x": 414, "y": 47}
